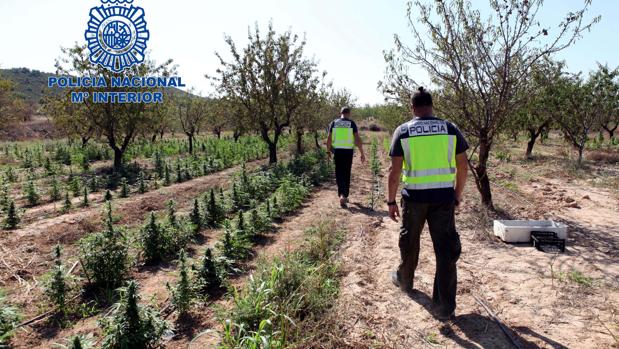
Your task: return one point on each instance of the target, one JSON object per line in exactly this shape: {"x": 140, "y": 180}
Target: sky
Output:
{"x": 346, "y": 37}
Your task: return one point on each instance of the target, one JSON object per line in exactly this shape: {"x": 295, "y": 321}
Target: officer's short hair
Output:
{"x": 421, "y": 98}
{"x": 345, "y": 110}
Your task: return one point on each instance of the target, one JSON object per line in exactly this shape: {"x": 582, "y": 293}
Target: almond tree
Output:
{"x": 543, "y": 101}
{"x": 192, "y": 112}
{"x": 607, "y": 98}
{"x": 269, "y": 80}
{"x": 584, "y": 103}
{"x": 118, "y": 124}
{"x": 7, "y": 102}
{"x": 479, "y": 65}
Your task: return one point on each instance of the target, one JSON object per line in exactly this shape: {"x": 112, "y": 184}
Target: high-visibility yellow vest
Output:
{"x": 342, "y": 136}
{"x": 429, "y": 156}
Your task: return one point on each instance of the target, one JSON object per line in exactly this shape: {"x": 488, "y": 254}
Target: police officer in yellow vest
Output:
{"x": 428, "y": 155}
{"x": 343, "y": 136}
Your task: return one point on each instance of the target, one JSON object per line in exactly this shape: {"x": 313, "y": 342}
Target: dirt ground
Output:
{"x": 530, "y": 291}
{"x": 545, "y": 300}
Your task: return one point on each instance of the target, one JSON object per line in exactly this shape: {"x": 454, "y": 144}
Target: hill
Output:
{"x": 29, "y": 84}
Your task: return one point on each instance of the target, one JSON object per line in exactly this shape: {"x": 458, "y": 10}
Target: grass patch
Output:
{"x": 575, "y": 277}
{"x": 285, "y": 299}
{"x": 432, "y": 338}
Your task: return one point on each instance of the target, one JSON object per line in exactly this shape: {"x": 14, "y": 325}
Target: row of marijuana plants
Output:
{"x": 218, "y": 155}
{"x": 255, "y": 200}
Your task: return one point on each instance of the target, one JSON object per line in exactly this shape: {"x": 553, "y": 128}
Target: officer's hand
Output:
{"x": 394, "y": 213}
{"x": 459, "y": 201}
{"x": 363, "y": 159}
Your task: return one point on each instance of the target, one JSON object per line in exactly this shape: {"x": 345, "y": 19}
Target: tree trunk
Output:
{"x": 272, "y": 152}
{"x": 299, "y": 140}
{"x": 532, "y": 138}
{"x": 481, "y": 173}
{"x": 580, "y": 153}
{"x": 118, "y": 159}
{"x": 611, "y": 131}
{"x": 316, "y": 140}
{"x": 190, "y": 138}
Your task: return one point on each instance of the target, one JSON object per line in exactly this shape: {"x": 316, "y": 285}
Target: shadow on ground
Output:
{"x": 474, "y": 330}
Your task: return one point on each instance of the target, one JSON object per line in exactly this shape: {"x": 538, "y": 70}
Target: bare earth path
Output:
{"x": 515, "y": 281}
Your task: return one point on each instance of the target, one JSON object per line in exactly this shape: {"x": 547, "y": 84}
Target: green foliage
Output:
{"x": 154, "y": 240}
{"x": 290, "y": 194}
{"x": 133, "y": 325}
{"x": 160, "y": 241}
{"x": 159, "y": 165}
{"x": 124, "y": 188}
{"x": 167, "y": 179}
{"x": 9, "y": 319}
{"x": 78, "y": 342}
{"x": 105, "y": 255}
{"x": 75, "y": 186}
{"x": 54, "y": 191}
{"x": 283, "y": 294}
{"x": 233, "y": 246}
{"x": 240, "y": 224}
{"x": 504, "y": 156}
{"x": 576, "y": 277}
{"x": 209, "y": 275}
{"x": 141, "y": 184}
{"x": 10, "y": 175}
{"x": 12, "y": 218}
{"x": 85, "y": 201}
{"x": 215, "y": 213}
{"x": 57, "y": 286}
{"x": 108, "y": 196}
{"x": 5, "y": 196}
{"x": 172, "y": 220}
{"x": 94, "y": 184}
{"x": 196, "y": 216}
{"x": 67, "y": 205}
{"x": 179, "y": 173}
{"x": 183, "y": 293}
{"x": 375, "y": 167}
{"x": 31, "y": 193}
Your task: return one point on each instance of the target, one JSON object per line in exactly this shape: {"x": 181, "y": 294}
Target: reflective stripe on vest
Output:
{"x": 429, "y": 162}
{"x": 342, "y": 138}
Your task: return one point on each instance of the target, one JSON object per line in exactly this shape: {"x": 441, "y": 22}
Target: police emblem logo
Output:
{"x": 117, "y": 35}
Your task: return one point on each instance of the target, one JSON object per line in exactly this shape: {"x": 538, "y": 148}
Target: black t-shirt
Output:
{"x": 346, "y": 122}
{"x": 428, "y": 195}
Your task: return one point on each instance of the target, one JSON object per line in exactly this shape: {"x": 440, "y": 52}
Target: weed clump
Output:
{"x": 133, "y": 325}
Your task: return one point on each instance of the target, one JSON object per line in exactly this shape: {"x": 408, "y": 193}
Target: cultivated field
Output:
{"x": 545, "y": 300}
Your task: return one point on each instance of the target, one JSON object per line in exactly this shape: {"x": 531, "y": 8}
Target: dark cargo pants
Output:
{"x": 343, "y": 167}
{"x": 447, "y": 248}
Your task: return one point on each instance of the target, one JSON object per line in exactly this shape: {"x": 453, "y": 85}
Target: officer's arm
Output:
{"x": 329, "y": 145}
{"x": 394, "y": 177}
{"x": 462, "y": 166}
{"x": 359, "y": 143}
